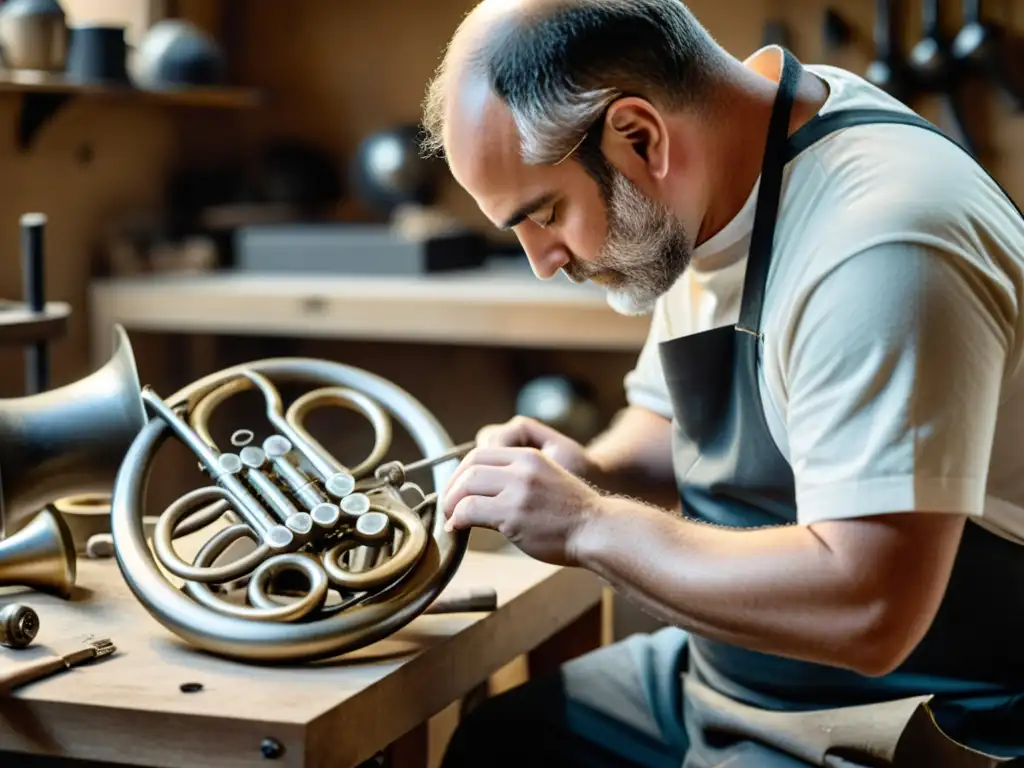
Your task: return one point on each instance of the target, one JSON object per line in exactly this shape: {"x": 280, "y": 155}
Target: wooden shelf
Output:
{"x": 20, "y": 325}
{"x": 43, "y": 95}
{"x": 223, "y": 98}
{"x": 489, "y": 306}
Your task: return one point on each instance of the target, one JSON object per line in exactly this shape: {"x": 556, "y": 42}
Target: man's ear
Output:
{"x": 635, "y": 139}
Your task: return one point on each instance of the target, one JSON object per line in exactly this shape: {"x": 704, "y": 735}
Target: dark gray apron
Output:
{"x": 964, "y": 684}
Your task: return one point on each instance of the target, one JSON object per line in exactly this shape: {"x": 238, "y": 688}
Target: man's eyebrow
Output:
{"x": 532, "y": 206}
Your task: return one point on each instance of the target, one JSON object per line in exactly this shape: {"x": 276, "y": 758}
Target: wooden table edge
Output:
{"x": 561, "y": 599}
{"x": 161, "y": 739}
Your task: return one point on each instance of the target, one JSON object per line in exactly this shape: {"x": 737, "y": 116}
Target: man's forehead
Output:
{"x": 478, "y": 125}
{"x": 482, "y": 144}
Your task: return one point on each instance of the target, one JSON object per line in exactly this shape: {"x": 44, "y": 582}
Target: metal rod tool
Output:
{"x": 394, "y": 472}
{"x": 37, "y": 360}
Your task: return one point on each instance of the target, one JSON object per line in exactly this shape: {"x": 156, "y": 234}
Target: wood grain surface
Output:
{"x": 474, "y": 307}
{"x": 129, "y": 708}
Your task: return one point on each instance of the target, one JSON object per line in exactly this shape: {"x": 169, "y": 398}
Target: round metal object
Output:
{"x": 400, "y": 583}
{"x": 19, "y": 625}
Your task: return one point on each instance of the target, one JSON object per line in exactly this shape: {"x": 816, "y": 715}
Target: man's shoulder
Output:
{"x": 899, "y": 190}
{"x": 889, "y": 183}
{"x": 880, "y": 173}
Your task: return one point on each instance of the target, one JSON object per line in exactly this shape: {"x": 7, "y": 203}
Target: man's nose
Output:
{"x": 546, "y": 256}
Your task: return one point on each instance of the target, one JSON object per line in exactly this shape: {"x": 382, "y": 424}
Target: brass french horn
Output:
{"x": 362, "y": 538}
{"x": 64, "y": 441}
{"x": 69, "y": 440}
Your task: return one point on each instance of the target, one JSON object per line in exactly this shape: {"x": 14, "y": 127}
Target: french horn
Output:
{"x": 41, "y": 556}
{"x": 362, "y": 538}
{"x": 68, "y": 440}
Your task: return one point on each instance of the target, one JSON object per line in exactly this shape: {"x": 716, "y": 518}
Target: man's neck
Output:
{"x": 736, "y": 137}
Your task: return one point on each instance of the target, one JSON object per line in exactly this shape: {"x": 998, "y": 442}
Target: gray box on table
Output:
{"x": 359, "y": 249}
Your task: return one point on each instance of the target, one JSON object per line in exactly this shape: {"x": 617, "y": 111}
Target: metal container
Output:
{"x": 33, "y": 36}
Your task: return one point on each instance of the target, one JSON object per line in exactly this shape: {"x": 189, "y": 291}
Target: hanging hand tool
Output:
{"x": 836, "y": 32}
{"x": 934, "y": 71}
{"x": 886, "y": 71}
{"x": 980, "y": 48}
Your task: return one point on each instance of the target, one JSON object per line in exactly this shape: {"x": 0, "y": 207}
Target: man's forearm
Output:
{"x": 781, "y": 591}
{"x": 634, "y": 458}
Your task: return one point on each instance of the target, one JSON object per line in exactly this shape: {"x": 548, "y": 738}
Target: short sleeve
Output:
{"x": 645, "y": 385}
{"x": 893, "y": 372}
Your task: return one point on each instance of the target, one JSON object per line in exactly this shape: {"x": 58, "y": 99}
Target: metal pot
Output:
{"x": 33, "y": 36}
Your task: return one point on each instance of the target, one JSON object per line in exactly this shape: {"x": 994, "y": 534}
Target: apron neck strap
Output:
{"x": 768, "y": 196}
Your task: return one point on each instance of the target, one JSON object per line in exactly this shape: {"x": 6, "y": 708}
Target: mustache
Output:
{"x": 581, "y": 272}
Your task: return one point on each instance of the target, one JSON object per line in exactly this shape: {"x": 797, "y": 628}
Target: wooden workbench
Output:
{"x": 129, "y": 709}
{"x": 499, "y": 306}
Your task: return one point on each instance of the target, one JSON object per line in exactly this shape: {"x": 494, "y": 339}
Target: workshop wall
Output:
{"x": 336, "y": 71}
{"x": 340, "y": 70}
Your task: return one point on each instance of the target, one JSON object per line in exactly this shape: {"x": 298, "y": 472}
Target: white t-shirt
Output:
{"x": 891, "y": 372}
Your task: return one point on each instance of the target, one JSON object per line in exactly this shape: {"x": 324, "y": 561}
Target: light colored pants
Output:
{"x": 621, "y": 705}
{"x": 639, "y": 703}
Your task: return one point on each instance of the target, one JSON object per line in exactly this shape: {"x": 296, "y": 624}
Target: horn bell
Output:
{"x": 69, "y": 440}
{"x": 40, "y": 556}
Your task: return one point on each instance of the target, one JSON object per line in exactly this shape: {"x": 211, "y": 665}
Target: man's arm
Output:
{"x": 893, "y": 376}
{"x": 857, "y": 594}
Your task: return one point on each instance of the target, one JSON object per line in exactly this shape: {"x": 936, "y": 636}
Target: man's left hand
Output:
{"x": 524, "y": 495}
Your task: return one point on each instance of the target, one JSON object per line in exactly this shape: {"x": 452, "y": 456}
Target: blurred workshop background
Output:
{"x": 238, "y": 179}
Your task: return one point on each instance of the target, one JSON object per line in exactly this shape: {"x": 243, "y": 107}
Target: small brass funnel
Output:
{"x": 40, "y": 556}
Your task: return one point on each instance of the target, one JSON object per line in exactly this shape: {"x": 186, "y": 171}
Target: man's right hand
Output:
{"x": 632, "y": 457}
{"x": 524, "y": 432}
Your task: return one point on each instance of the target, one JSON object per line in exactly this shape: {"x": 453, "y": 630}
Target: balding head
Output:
{"x": 520, "y": 107}
{"x": 556, "y": 64}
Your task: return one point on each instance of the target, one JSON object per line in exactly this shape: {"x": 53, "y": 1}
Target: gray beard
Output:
{"x": 644, "y": 254}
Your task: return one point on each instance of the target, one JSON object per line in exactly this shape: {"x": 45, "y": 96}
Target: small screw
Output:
{"x": 271, "y": 749}
{"x": 191, "y": 687}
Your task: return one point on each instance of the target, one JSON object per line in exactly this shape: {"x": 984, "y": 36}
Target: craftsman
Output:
{"x": 818, "y": 482}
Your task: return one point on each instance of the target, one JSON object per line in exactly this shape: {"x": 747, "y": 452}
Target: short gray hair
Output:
{"x": 559, "y": 66}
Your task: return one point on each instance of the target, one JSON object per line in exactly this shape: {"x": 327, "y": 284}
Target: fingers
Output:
{"x": 470, "y": 496}
{"x": 496, "y": 457}
{"x": 474, "y": 480}
{"x": 474, "y": 511}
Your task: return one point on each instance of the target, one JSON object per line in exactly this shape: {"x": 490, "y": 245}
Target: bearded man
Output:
{"x": 818, "y": 481}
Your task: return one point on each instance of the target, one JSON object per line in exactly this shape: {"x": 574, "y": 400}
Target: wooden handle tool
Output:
{"x": 480, "y": 599}
{"x": 31, "y": 671}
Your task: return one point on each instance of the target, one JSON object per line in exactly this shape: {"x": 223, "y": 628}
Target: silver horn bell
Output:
{"x": 41, "y": 556}
{"x": 69, "y": 440}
